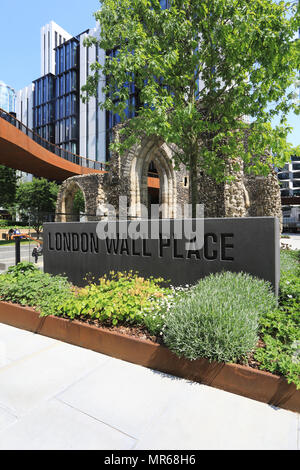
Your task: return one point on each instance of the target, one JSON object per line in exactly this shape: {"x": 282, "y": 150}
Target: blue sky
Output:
{"x": 20, "y": 24}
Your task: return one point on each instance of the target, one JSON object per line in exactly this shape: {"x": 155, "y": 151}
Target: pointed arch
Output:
{"x": 160, "y": 154}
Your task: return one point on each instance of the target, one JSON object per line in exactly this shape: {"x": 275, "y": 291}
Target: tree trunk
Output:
{"x": 194, "y": 182}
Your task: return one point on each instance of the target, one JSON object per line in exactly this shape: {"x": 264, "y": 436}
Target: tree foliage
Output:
{"x": 8, "y": 186}
{"x": 79, "y": 203}
{"x": 200, "y": 68}
{"x": 35, "y": 200}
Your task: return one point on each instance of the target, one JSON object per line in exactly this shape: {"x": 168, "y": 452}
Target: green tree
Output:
{"x": 8, "y": 187}
{"x": 200, "y": 68}
{"x": 35, "y": 200}
{"x": 79, "y": 203}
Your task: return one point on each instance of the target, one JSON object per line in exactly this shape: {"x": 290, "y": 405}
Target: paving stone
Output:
{"x": 206, "y": 418}
{"x": 55, "y": 426}
{"x": 43, "y": 374}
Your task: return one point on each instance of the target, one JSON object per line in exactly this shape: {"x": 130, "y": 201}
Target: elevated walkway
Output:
{"x": 23, "y": 149}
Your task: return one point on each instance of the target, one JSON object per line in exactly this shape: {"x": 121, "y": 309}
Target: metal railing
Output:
{"x": 60, "y": 152}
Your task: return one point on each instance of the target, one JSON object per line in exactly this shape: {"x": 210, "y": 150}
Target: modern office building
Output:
{"x": 52, "y": 36}
{"x": 24, "y": 105}
{"x": 289, "y": 177}
{"x": 52, "y": 106}
{"x": 7, "y": 98}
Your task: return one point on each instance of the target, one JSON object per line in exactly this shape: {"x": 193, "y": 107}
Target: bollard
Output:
{"x": 18, "y": 249}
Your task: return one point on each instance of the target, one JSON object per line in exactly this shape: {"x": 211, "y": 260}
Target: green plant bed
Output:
{"x": 226, "y": 317}
{"x": 280, "y": 328}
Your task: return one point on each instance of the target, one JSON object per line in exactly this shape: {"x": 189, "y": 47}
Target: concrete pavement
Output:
{"x": 58, "y": 396}
{"x": 293, "y": 241}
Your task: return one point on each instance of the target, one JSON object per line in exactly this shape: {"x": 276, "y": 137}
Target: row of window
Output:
{"x": 44, "y": 114}
{"x": 66, "y": 106}
{"x": 47, "y": 132}
{"x": 44, "y": 89}
{"x": 66, "y": 83}
{"x": 66, "y": 130}
{"x": 289, "y": 176}
{"x": 70, "y": 147}
{"x": 66, "y": 57}
{"x": 55, "y": 110}
{"x": 289, "y": 192}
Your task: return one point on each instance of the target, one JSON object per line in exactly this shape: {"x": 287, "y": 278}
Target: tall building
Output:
{"x": 24, "y": 105}
{"x": 7, "y": 98}
{"x": 52, "y": 106}
{"x": 289, "y": 177}
{"x": 52, "y": 36}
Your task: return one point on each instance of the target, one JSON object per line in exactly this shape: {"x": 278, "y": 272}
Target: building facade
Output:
{"x": 7, "y": 98}
{"x": 289, "y": 177}
{"x": 52, "y": 105}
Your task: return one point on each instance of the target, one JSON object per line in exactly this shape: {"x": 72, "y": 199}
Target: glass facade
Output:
{"x": 7, "y": 98}
{"x": 67, "y": 96}
{"x": 44, "y": 107}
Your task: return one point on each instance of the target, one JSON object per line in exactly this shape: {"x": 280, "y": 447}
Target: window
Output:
{"x": 62, "y": 85}
{"x": 68, "y": 56}
{"x": 74, "y": 55}
{"x": 61, "y": 108}
{"x": 74, "y": 81}
{"x": 68, "y": 107}
{"x": 68, "y": 128}
{"x": 74, "y": 104}
{"x": 68, "y": 82}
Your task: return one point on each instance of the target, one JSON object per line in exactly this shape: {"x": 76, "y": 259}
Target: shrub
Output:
{"x": 218, "y": 318}
{"x": 154, "y": 318}
{"x": 26, "y": 285}
{"x": 22, "y": 268}
{"x": 280, "y": 329}
{"x": 122, "y": 298}
{"x": 289, "y": 262}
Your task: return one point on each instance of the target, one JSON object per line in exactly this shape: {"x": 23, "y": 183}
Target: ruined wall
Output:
{"x": 93, "y": 189}
{"x": 264, "y": 194}
{"x": 245, "y": 196}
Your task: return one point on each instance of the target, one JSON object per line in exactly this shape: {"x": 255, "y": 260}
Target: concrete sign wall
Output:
{"x": 251, "y": 245}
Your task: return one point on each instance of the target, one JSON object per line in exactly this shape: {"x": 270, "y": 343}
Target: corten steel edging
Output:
{"x": 241, "y": 380}
{"x": 20, "y": 152}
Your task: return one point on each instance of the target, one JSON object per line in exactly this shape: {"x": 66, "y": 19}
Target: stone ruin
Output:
{"x": 128, "y": 175}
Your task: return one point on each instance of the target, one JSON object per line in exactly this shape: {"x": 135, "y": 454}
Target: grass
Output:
{"x": 12, "y": 242}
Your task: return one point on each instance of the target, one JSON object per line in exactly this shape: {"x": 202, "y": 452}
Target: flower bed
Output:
{"x": 234, "y": 378}
{"x": 227, "y": 322}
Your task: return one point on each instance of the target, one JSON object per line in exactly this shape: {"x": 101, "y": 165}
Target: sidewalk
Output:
{"x": 57, "y": 396}
{"x": 293, "y": 241}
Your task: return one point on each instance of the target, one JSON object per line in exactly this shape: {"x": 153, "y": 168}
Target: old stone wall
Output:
{"x": 245, "y": 196}
{"x": 264, "y": 194}
{"x": 93, "y": 189}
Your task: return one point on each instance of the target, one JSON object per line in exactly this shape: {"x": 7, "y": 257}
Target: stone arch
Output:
{"x": 91, "y": 187}
{"x": 161, "y": 155}
{"x": 64, "y": 210}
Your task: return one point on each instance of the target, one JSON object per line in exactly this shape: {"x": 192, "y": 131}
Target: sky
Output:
{"x": 20, "y": 24}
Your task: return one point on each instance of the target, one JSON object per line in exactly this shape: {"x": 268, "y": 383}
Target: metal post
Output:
{"x": 18, "y": 249}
